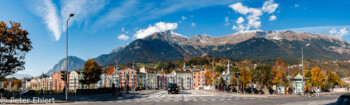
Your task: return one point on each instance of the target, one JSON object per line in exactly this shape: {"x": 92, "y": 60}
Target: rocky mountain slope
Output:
{"x": 74, "y": 63}
{"x": 258, "y": 44}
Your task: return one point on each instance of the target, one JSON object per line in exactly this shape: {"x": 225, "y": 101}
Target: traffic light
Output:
{"x": 63, "y": 75}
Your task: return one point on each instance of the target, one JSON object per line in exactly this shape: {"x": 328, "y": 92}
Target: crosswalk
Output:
{"x": 164, "y": 97}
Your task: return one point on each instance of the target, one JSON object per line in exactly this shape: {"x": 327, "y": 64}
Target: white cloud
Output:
{"x": 252, "y": 15}
{"x": 123, "y": 37}
{"x": 341, "y": 32}
{"x": 183, "y": 18}
{"x": 240, "y": 20}
{"x": 273, "y": 17}
{"x": 226, "y": 21}
{"x": 123, "y": 30}
{"x": 158, "y": 27}
{"x": 48, "y": 11}
{"x": 193, "y": 24}
{"x": 269, "y": 6}
{"x": 333, "y": 31}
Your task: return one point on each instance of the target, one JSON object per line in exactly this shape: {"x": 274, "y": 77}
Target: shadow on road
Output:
{"x": 331, "y": 103}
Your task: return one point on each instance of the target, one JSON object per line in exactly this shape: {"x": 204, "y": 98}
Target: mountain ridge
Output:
{"x": 257, "y": 44}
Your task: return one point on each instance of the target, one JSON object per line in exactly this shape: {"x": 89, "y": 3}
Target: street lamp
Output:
{"x": 302, "y": 63}
{"x": 70, "y": 15}
{"x": 237, "y": 76}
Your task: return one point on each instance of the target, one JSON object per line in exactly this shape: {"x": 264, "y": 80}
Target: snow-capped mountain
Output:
{"x": 257, "y": 44}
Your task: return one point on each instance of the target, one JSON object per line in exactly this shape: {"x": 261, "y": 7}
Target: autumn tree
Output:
{"x": 317, "y": 77}
{"x": 333, "y": 79}
{"x": 14, "y": 82}
{"x": 261, "y": 74}
{"x": 245, "y": 77}
{"x": 208, "y": 78}
{"x": 280, "y": 72}
{"x": 92, "y": 72}
{"x": 276, "y": 75}
{"x": 222, "y": 81}
{"x": 14, "y": 44}
{"x": 233, "y": 79}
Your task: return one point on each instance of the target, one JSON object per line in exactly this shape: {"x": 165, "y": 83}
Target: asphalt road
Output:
{"x": 196, "y": 97}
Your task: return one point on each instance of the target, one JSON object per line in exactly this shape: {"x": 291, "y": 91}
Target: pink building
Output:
{"x": 128, "y": 77}
{"x": 198, "y": 77}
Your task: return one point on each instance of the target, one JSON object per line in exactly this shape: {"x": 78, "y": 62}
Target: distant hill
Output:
{"x": 19, "y": 76}
{"x": 74, "y": 63}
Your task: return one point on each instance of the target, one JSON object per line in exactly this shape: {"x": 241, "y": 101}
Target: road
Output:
{"x": 198, "y": 97}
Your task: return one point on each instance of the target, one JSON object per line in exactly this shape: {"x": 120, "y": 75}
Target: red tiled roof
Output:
{"x": 110, "y": 71}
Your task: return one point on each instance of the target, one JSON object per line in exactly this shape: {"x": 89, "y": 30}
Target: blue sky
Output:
{"x": 99, "y": 26}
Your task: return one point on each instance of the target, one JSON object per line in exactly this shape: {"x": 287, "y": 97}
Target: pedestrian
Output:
{"x": 318, "y": 91}
{"x": 113, "y": 89}
{"x": 310, "y": 91}
{"x": 305, "y": 90}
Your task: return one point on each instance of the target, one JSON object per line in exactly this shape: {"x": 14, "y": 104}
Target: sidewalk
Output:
{"x": 270, "y": 95}
{"x": 90, "y": 98}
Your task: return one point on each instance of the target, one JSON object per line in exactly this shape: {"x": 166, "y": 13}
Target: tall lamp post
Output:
{"x": 302, "y": 64}
{"x": 237, "y": 76}
{"x": 70, "y": 15}
{"x": 213, "y": 84}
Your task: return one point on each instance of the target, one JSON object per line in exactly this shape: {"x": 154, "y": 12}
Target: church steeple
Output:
{"x": 184, "y": 66}
{"x": 228, "y": 67}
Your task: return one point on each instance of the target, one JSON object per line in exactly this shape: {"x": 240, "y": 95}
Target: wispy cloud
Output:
{"x": 126, "y": 9}
{"x": 82, "y": 9}
{"x": 183, "y": 18}
{"x": 193, "y": 24}
{"x": 341, "y": 31}
{"x": 331, "y": 30}
{"x": 158, "y": 27}
{"x": 48, "y": 11}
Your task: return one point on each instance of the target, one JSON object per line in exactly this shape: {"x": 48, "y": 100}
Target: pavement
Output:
{"x": 201, "y": 97}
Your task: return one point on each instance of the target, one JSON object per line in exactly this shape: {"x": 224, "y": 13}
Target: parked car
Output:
{"x": 173, "y": 88}
{"x": 343, "y": 100}
{"x": 29, "y": 92}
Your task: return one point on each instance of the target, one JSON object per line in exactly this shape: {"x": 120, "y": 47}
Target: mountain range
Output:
{"x": 258, "y": 44}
